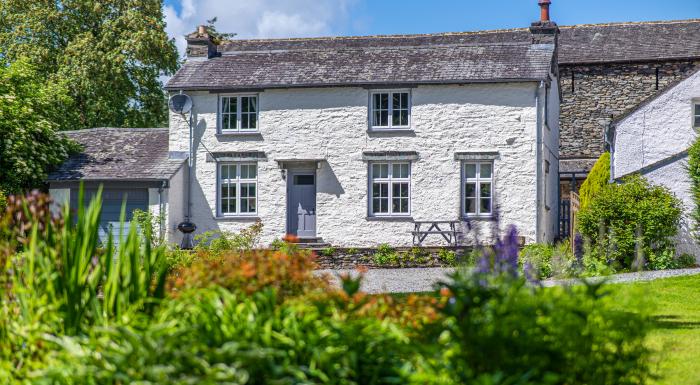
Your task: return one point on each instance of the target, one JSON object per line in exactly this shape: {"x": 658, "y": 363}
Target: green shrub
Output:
{"x": 666, "y": 259}
{"x": 597, "y": 179}
{"x": 218, "y": 242}
{"x": 353, "y": 250}
{"x": 328, "y": 251}
{"x": 416, "y": 255}
{"x": 625, "y": 215}
{"x": 447, "y": 257}
{"x": 218, "y": 337}
{"x": 386, "y": 255}
{"x": 694, "y": 174}
{"x": 500, "y": 329}
{"x": 150, "y": 226}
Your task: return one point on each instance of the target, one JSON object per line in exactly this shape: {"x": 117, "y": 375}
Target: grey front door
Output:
{"x": 301, "y": 204}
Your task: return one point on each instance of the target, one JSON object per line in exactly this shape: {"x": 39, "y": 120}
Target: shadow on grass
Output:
{"x": 668, "y": 321}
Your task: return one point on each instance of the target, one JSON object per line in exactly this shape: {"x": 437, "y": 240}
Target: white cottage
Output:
{"x": 352, "y": 140}
{"x": 653, "y": 140}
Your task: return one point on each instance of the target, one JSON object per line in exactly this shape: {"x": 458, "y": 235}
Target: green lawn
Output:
{"x": 675, "y": 304}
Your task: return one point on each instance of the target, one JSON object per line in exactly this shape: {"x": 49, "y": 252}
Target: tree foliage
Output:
{"x": 597, "y": 179}
{"x": 694, "y": 173}
{"x": 30, "y": 114}
{"x": 112, "y": 53}
{"x": 622, "y": 217}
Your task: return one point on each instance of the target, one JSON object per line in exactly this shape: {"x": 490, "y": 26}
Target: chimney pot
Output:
{"x": 202, "y": 30}
{"x": 544, "y": 10}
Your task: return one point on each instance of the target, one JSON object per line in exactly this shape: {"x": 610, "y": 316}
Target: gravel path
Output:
{"x": 423, "y": 279}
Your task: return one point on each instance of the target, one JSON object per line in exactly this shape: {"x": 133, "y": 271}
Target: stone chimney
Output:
{"x": 200, "y": 45}
{"x": 544, "y": 31}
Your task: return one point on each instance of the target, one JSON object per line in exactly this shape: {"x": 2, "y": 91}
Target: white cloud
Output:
{"x": 258, "y": 18}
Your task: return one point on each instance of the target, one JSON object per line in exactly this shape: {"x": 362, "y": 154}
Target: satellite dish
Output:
{"x": 180, "y": 103}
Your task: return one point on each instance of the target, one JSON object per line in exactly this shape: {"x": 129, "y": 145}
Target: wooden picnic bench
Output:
{"x": 421, "y": 229}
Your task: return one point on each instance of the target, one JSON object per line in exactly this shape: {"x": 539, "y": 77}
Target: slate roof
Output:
{"x": 125, "y": 154}
{"x": 501, "y": 55}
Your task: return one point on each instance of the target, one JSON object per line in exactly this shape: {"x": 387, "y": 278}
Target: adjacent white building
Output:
{"x": 653, "y": 140}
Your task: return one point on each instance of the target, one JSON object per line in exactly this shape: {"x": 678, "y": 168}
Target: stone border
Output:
{"x": 409, "y": 257}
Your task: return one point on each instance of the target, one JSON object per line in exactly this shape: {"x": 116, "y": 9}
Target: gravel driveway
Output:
{"x": 423, "y": 279}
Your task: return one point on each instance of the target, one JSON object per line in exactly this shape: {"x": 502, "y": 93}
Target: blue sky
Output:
{"x": 299, "y": 18}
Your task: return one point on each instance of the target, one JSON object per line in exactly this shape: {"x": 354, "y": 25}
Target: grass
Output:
{"x": 675, "y": 305}
{"x": 675, "y": 338}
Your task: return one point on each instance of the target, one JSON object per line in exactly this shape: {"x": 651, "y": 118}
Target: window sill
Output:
{"x": 489, "y": 218}
{"x": 238, "y": 133}
{"x": 390, "y": 218}
{"x": 383, "y": 129}
{"x": 236, "y": 218}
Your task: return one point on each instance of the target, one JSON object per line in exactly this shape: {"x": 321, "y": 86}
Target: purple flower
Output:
{"x": 507, "y": 251}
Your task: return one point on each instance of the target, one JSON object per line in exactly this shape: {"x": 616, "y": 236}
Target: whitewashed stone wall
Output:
{"x": 331, "y": 123}
{"x": 650, "y": 140}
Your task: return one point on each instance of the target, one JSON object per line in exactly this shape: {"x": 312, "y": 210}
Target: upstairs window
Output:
{"x": 477, "y": 182}
{"x": 696, "y": 115}
{"x": 390, "y": 184}
{"x": 238, "y": 186}
{"x": 390, "y": 109}
{"x": 238, "y": 113}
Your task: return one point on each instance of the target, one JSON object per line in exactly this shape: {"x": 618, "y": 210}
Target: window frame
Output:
{"x": 238, "y": 181}
{"x": 390, "y": 180}
{"x": 239, "y": 113}
{"x": 477, "y": 180}
{"x": 390, "y": 110}
{"x": 695, "y": 112}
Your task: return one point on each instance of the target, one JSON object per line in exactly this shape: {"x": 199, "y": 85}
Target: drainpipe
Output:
{"x": 610, "y": 140}
{"x": 538, "y": 160}
{"x": 161, "y": 209}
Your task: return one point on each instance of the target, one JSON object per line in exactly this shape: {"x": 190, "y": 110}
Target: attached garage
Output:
{"x": 113, "y": 199}
{"x": 134, "y": 169}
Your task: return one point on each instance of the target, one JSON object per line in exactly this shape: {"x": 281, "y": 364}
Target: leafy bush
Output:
{"x": 61, "y": 282}
{"x": 667, "y": 259}
{"x": 217, "y": 242}
{"x": 150, "y": 226}
{"x": 625, "y": 215}
{"x": 386, "y": 255}
{"x": 216, "y": 336}
{"x": 289, "y": 271}
{"x": 597, "y": 179}
{"x": 327, "y": 251}
{"x": 694, "y": 174}
{"x": 498, "y": 328}
{"x": 447, "y": 257}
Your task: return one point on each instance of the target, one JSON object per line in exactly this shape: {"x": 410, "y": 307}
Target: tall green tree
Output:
{"x": 30, "y": 114}
{"x": 111, "y": 53}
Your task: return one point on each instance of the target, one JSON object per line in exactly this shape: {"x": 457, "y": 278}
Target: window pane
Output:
{"x": 225, "y": 105}
{"x": 485, "y": 206}
{"x": 400, "y": 190}
{"x": 485, "y": 190}
{"x": 470, "y": 205}
{"x": 380, "y": 170}
{"x": 225, "y": 122}
{"x": 384, "y": 103}
{"x": 384, "y": 118}
{"x": 224, "y": 206}
{"x": 470, "y": 170}
{"x": 396, "y": 101}
{"x": 396, "y": 118}
{"x": 697, "y": 109}
{"x": 697, "y": 121}
{"x": 404, "y": 100}
{"x": 224, "y": 171}
{"x": 376, "y": 118}
{"x": 485, "y": 170}
{"x": 377, "y": 104}
{"x": 252, "y": 205}
{"x": 404, "y": 118}
{"x": 224, "y": 191}
{"x": 244, "y": 121}
{"x": 253, "y": 120}
{"x": 400, "y": 170}
{"x": 470, "y": 190}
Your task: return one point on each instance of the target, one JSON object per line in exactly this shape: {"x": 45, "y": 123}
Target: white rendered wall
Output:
{"x": 660, "y": 129}
{"x": 331, "y": 123}
{"x": 655, "y": 133}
